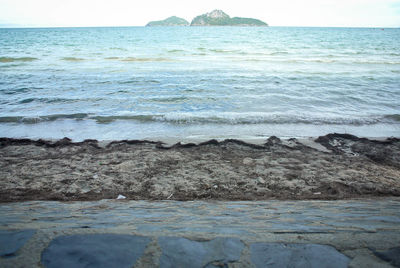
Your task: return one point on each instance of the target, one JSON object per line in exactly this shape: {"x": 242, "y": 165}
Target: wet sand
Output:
{"x": 335, "y": 166}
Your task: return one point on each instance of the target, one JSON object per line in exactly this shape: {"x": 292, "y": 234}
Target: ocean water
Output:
{"x": 198, "y": 82}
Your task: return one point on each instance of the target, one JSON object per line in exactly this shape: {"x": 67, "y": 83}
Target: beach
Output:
{"x": 199, "y": 147}
{"x": 328, "y": 201}
{"x": 335, "y": 166}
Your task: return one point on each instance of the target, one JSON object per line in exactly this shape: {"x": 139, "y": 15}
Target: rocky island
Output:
{"x": 220, "y": 18}
{"x": 213, "y": 18}
{"x": 171, "y": 21}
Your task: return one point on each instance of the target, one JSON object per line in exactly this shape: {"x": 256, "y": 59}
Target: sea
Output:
{"x": 159, "y": 83}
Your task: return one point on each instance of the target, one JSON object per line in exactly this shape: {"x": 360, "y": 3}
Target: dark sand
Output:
{"x": 341, "y": 166}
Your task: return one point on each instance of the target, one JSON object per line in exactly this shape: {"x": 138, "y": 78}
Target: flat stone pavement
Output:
{"x": 121, "y": 233}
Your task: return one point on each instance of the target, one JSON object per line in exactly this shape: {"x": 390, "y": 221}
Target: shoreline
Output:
{"x": 334, "y": 166}
{"x": 171, "y": 141}
{"x": 173, "y": 133}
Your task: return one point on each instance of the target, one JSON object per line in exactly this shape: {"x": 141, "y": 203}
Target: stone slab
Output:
{"x": 391, "y": 255}
{"x": 12, "y": 241}
{"x": 364, "y": 261}
{"x": 264, "y": 255}
{"x": 94, "y": 250}
{"x": 181, "y": 252}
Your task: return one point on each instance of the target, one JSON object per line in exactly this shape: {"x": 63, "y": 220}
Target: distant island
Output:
{"x": 220, "y": 18}
{"x": 213, "y": 18}
{"x": 171, "y": 21}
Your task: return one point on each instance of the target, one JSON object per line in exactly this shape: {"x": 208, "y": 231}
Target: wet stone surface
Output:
{"x": 12, "y": 241}
{"x": 242, "y": 219}
{"x": 142, "y": 234}
{"x": 94, "y": 250}
{"x": 391, "y": 255}
{"x": 182, "y": 252}
{"x": 296, "y": 255}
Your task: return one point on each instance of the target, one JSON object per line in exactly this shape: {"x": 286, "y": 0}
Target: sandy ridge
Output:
{"x": 345, "y": 167}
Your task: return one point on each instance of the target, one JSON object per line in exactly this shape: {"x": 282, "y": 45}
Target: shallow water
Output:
{"x": 202, "y": 82}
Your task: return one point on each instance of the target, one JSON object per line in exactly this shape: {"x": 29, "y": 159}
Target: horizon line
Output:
{"x": 127, "y": 26}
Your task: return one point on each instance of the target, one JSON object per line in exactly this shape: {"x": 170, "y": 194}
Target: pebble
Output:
{"x": 247, "y": 161}
{"x": 261, "y": 180}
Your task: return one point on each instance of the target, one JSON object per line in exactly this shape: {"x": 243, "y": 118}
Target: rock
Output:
{"x": 247, "y": 161}
{"x": 12, "y": 241}
{"x": 296, "y": 255}
{"x": 391, "y": 255}
{"x": 182, "y": 252}
{"x": 220, "y": 18}
{"x": 365, "y": 261}
{"x": 120, "y": 196}
{"x": 94, "y": 250}
{"x": 273, "y": 140}
{"x": 171, "y": 21}
{"x": 260, "y": 180}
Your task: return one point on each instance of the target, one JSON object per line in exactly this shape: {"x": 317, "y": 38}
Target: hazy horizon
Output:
{"x": 308, "y": 13}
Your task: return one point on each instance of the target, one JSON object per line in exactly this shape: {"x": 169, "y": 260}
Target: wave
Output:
{"x": 211, "y": 118}
{"x": 229, "y": 51}
{"x": 252, "y": 53}
{"x": 18, "y": 90}
{"x": 170, "y": 100}
{"x": 272, "y": 57}
{"x": 47, "y": 100}
{"x": 118, "y": 48}
{"x": 314, "y": 60}
{"x": 394, "y": 117}
{"x": 22, "y": 59}
{"x": 279, "y": 53}
{"x": 175, "y": 51}
{"x": 38, "y": 119}
{"x": 263, "y": 118}
{"x": 72, "y": 59}
{"x": 139, "y": 82}
{"x": 109, "y": 119}
{"x": 137, "y": 59}
{"x": 134, "y": 59}
{"x": 376, "y": 62}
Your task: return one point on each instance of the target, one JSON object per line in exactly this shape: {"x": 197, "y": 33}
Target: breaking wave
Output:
{"x": 210, "y": 118}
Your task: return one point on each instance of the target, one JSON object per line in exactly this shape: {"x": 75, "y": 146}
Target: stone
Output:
{"x": 365, "y": 261}
{"x": 296, "y": 255}
{"x": 94, "y": 250}
{"x": 391, "y": 255}
{"x": 260, "y": 180}
{"x": 247, "y": 161}
{"x": 12, "y": 241}
{"x": 182, "y": 252}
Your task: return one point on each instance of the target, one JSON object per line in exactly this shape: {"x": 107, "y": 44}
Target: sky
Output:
{"x": 80, "y": 13}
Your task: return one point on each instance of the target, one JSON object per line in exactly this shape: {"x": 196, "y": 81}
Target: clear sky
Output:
{"x": 340, "y": 13}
